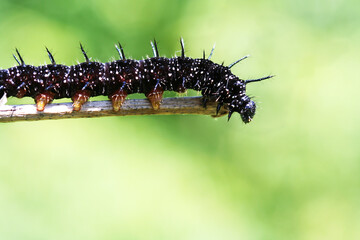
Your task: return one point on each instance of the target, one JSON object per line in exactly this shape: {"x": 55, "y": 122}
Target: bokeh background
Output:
{"x": 293, "y": 173}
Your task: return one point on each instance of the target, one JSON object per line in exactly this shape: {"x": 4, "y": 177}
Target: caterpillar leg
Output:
{"x": 181, "y": 88}
{"x": 218, "y": 107}
{"x": 42, "y": 99}
{"x": 21, "y": 91}
{"x": 155, "y": 97}
{"x": 204, "y": 101}
{"x": 117, "y": 99}
{"x": 79, "y": 98}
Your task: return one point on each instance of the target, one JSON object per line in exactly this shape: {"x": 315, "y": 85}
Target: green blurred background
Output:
{"x": 292, "y": 173}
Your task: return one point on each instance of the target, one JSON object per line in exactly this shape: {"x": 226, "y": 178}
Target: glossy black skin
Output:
{"x": 134, "y": 76}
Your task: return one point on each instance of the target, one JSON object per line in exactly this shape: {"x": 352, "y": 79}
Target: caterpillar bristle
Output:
{"x": 120, "y": 51}
{"x": 84, "y": 53}
{"x": 17, "y": 60}
{"x": 237, "y": 61}
{"x": 182, "y": 47}
{"x": 21, "y": 61}
{"x": 258, "y": 79}
{"x": 212, "y": 51}
{"x": 51, "y": 57}
{"x": 155, "y": 48}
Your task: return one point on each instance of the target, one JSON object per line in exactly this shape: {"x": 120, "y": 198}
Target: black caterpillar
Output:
{"x": 117, "y": 79}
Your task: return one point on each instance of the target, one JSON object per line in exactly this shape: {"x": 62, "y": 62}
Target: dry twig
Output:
{"x": 184, "y": 105}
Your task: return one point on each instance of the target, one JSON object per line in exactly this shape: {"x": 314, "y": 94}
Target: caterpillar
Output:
{"x": 119, "y": 78}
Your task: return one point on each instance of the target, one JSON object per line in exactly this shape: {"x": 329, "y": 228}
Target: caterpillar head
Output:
{"x": 244, "y": 106}
{"x": 248, "y": 111}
